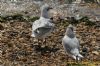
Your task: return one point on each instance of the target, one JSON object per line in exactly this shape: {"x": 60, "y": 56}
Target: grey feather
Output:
{"x": 69, "y": 31}
{"x": 43, "y": 26}
{"x": 71, "y": 43}
{"x": 42, "y": 31}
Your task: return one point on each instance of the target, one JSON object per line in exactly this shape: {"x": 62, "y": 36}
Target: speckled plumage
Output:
{"x": 43, "y": 26}
{"x": 71, "y": 43}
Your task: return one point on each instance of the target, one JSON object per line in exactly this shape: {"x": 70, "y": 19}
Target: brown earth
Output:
{"x": 18, "y": 48}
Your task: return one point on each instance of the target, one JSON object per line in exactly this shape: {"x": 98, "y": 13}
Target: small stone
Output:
{"x": 0, "y": 53}
{"x": 84, "y": 50}
{"x": 95, "y": 52}
{"x": 1, "y": 27}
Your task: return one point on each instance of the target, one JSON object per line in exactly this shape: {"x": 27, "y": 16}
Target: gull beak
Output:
{"x": 51, "y": 18}
{"x": 50, "y": 8}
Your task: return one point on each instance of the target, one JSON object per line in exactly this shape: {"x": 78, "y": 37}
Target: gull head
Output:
{"x": 70, "y": 27}
{"x": 70, "y": 31}
{"x": 46, "y": 7}
{"x": 44, "y": 10}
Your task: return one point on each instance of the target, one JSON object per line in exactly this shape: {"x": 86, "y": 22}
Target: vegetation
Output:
{"x": 20, "y": 17}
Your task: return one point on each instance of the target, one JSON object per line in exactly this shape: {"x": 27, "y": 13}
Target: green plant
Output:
{"x": 33, "y": 19}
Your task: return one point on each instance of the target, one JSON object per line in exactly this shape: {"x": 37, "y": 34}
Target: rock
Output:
{"x": 1, "y": 27}
{"x": 95, "y": 52}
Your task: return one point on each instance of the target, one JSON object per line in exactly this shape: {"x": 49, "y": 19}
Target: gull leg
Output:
{"x": 37, "y": 41}
{"x": 77, "y": 60}
{"x": 44, "y": 41}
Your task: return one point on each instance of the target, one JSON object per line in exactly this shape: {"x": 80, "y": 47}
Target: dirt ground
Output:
{"x": 18, "y": 48}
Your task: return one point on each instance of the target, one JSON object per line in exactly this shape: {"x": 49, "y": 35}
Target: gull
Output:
{"x": 71, "y": 43}
{"x": 43, "y": 26}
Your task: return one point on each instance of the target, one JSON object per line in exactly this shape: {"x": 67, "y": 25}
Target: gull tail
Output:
{"x": 78, "y": 57}
{"x": 32, "y": 35}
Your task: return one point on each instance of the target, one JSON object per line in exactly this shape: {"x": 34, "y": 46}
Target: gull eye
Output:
{"x": 48, "y": 9}
{"x": 71, "y": 28}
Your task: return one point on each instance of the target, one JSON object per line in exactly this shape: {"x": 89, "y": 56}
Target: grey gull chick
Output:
{"x": 43, "y": 26}
{"x": 71, "y": 43}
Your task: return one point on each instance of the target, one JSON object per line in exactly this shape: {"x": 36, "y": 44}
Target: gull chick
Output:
{"x": 43, "y": 26}
{"x": 71, "y": 43}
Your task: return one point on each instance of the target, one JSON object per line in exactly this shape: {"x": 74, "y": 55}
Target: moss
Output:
{"x": 87, "y": 21}
{"x": 74, "y": 21}
{"x": 33, "y": 19}
{"x": 18, "y": 17}
{"x": 64, "y": 23}
{"x": 90, "y": 23}
{"x": 85, "y": 18}
{"x": 1, "y": 19}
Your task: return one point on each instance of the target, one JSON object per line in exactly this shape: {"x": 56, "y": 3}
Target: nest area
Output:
{"x": 18, "y": 48}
